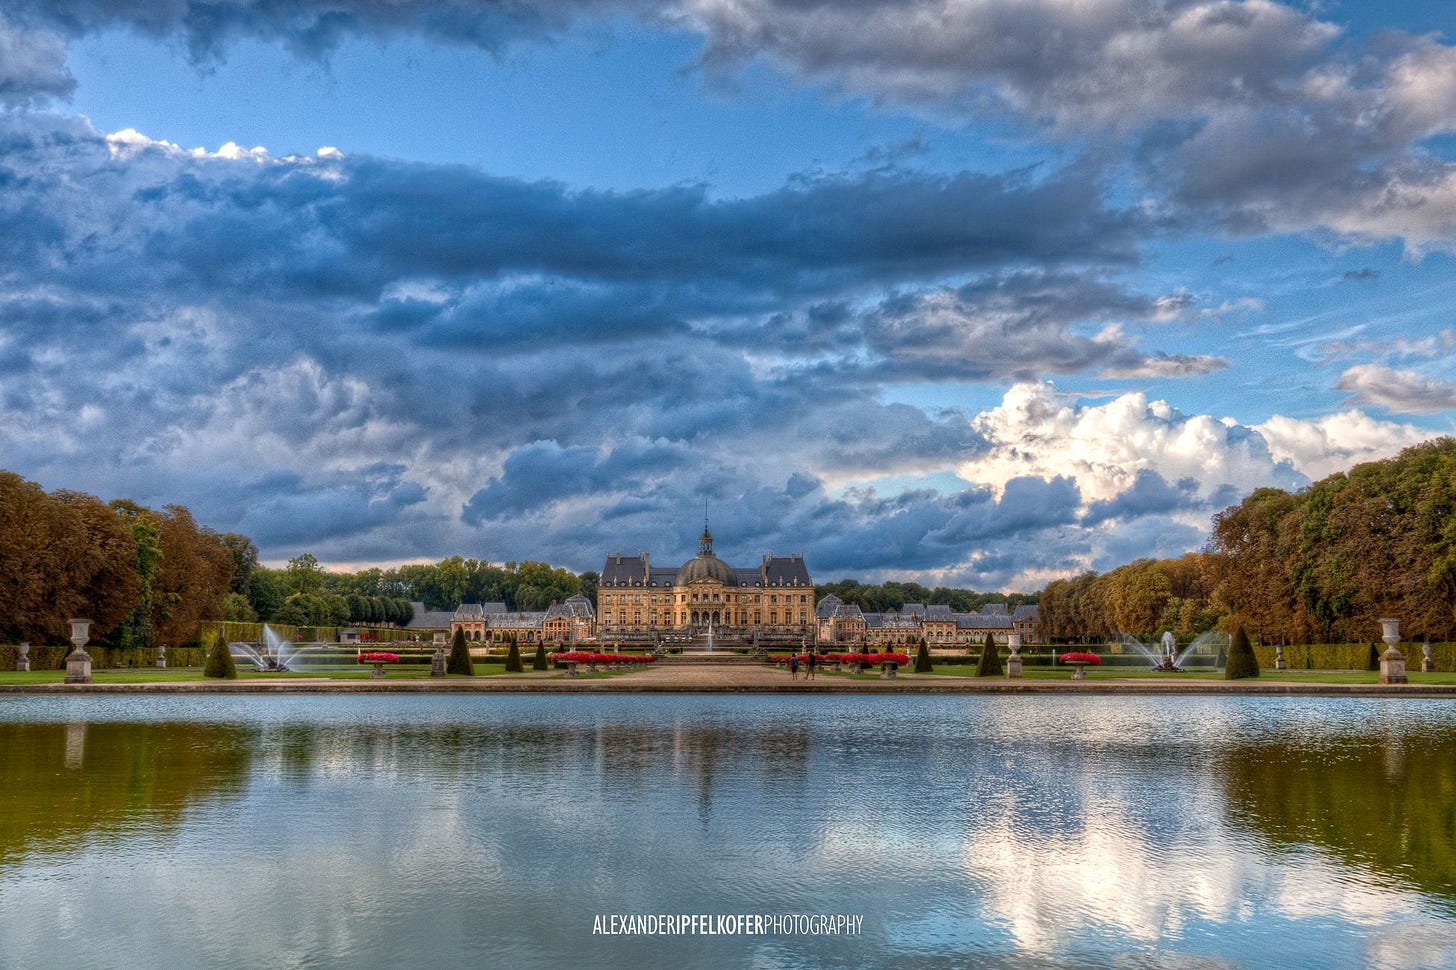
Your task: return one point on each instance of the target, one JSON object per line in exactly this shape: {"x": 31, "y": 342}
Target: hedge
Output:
{"x": 253, "y": 632}
{"x": 102, "y": 658}
{"x": 1351, "y": 656}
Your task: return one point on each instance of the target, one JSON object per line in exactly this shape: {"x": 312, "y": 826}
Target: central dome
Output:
{"x": 705, "y": 565}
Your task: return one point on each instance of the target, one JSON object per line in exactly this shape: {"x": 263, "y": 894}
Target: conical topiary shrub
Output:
{"x": 539, "y": 663}
{"x": 990, "y": 662}
{"x": 459, "y": 661}
{"x": 220, "y": 661}
{"x": 1241, "y": 660}
{"x": 1372, "y": 662}
{"x": 922, "y": 658}
{"x": 513, "y": 659}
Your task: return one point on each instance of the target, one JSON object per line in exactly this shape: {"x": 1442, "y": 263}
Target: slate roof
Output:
{"x": 772, "y": 571}
{"x": 994, "y": 609}
{"x": 826, "y": 607}
{"x": 890, "y": 621}
{"x": 635, "y": 570}
{"x": 575, "y": 606}
{"x": 424, "y": 619}
{"x": 515, "y": 621}
{"x": 982, "y": 621}
{"x": 1026, "y": 611}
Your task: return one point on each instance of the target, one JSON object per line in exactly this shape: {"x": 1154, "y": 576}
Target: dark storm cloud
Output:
{"x": 862, "y": 530}
{"x": 32, "y": 65}
{"x": 373, "y": 359}
{"x": 314, "y": 27}
{"x": 541, "y": 473}
{"x": 1253, "y": 114}
{"x": 1149, "y": 494}
{"x": 1017, "y": 326}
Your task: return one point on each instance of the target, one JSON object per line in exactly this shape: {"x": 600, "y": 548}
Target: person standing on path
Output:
{"x": 810, "y": 664}
{"x": 794, "y": 667}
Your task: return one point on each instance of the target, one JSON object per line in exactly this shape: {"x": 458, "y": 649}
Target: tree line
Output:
{"x": 142, "y": 576}
{"x": 883, "y": 597}
{"x": 1321, "y": 565}
{"x": 303, "y": 593}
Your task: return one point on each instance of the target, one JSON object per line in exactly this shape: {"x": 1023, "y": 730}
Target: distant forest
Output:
{"x": 1316, "y": 566}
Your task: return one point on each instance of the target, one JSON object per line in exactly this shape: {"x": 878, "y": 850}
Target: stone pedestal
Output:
{"x": 1080, "y": 673}
{"x": 162, "y": 656}
{"x": 78, "y": 667}
{"x": 1392, "y": 662}
{"x": 22, "y": 663}
{"x": 1279, "y": 662}
{"x": 887, "y": 670}
{"x": 1392, "y": 667}
{"x": 378, "y": 673}
{"x": 78, "y": 661}
{"x": 437, "y": 663}
{"x": 1013, "y": 666}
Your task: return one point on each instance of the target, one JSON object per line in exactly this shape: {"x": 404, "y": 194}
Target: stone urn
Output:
{"x": 1013, "y": 662}
{"x": 1392, "y": 662}
{"x": 78, "y": 661}
{"x": 1427, "y": 664}
{"x": 22, "y": 662}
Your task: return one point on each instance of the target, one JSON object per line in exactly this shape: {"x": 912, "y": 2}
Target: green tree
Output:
{"x": 266, "y": 592}
{"x": 220, "y": 660}
{"x": 990, "y": 663}
{"x": 304, "y": 574}
{"x": 136, "y": 629}
{"x": 513, "y": 658}
{"x": 235, "y": 607}
{"x": 245, "y": 559}
{"x": 1241, "y": 660}
{"x": 922, "y": 658}
{"x": 459, "y": 661}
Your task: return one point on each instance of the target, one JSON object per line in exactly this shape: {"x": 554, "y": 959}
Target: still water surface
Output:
{"x": 488, "y": 831}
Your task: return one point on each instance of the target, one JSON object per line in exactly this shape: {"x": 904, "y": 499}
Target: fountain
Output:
{"x": 274, "y": 654}
{"x": 1155, "y": 660}
{"x": 710, "y": 636}
{"x": 1169, "y": 659}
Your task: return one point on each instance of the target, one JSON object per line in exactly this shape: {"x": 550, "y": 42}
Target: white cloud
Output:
{"x": 1403, "y": 391}
{"x": 1337, "y": 442}
{"x": 1039, "y": 431}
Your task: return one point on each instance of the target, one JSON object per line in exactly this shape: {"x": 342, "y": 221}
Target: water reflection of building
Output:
{"x": 773, "y": 599}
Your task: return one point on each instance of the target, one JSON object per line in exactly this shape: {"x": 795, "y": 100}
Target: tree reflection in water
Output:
{"x": 1382, "y": 801}
{"x": 60, "y": 782}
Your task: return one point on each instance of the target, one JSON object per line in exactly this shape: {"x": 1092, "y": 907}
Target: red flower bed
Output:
{"x": 584, "y": 657}
{"x": 1081, "y": 658}
{"x": 378, "y": 658}
{"x": 903, "y": 659}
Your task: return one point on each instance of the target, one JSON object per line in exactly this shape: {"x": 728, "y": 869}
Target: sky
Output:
{"x": 972, "y": 292}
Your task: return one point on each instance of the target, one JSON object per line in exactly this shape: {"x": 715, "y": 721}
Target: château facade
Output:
{"x": 774, "y": 599}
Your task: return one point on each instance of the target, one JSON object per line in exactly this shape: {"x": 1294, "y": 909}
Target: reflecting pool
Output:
{"x": 387, "y": 831}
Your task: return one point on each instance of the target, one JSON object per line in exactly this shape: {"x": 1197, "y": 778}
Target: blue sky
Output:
{"x": 977, "y": 292}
